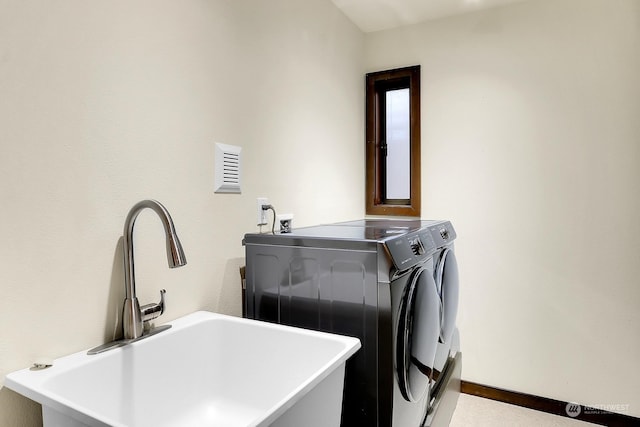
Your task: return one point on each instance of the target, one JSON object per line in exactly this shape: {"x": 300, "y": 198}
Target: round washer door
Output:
{"x": 417, "y": 335}
{"x": 448, "y": 283}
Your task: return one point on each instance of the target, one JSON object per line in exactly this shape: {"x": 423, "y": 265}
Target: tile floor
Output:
{"x": 475, "y": 411}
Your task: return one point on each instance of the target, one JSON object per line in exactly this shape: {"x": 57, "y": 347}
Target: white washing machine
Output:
{"x": 391, "y": 283}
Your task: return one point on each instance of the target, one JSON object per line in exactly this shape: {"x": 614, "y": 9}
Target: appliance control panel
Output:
{"x": 410, "y": 249}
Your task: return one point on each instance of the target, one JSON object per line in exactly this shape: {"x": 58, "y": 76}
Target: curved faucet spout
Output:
{"x": 132, "y": 315}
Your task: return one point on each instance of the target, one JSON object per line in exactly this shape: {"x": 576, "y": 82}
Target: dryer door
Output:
{"x": 447, "y": 283}
{"x": 417, "y": 335}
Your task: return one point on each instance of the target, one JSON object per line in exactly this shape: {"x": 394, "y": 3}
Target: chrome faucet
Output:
{"x": 134, "y": 316}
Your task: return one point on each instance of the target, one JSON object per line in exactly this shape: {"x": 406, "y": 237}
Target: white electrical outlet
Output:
{"x": 262, "y": 214}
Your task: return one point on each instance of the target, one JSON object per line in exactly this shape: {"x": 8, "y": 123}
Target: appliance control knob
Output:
{"x": 417, "y": 247}
{"x": 444, "y": 233}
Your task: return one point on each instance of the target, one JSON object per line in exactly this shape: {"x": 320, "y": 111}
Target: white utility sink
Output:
{"x": 207, "y": 370}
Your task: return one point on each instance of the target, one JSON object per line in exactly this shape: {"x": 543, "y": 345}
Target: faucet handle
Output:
{"x": 153, "y": 310}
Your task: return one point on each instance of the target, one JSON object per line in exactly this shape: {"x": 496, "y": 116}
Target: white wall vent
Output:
{"x": 228, "y": 168}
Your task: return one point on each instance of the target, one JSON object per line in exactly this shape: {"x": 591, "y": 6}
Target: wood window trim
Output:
{"x": 377, "y": 83}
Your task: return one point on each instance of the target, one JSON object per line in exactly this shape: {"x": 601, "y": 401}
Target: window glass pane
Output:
{"x": 398, "y": 147}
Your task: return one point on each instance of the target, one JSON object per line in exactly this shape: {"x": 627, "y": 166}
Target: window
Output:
{"x": 393, "y": 142}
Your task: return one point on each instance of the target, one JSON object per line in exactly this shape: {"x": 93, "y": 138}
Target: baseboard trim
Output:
{"x": 551, "y": 406}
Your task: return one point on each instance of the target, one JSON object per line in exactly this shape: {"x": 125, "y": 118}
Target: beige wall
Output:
{"x": 103, "y": 104}
{"x": 531, "y": 145}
